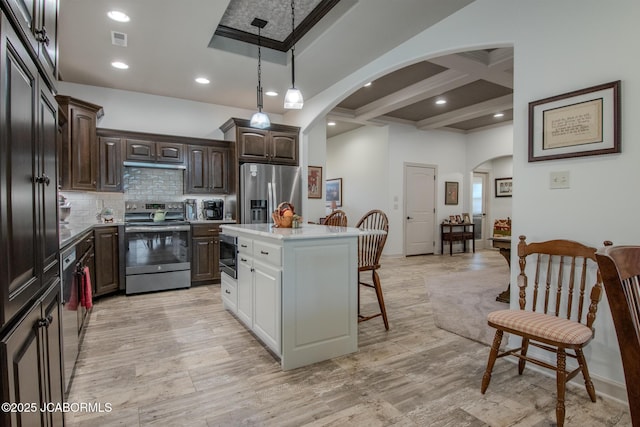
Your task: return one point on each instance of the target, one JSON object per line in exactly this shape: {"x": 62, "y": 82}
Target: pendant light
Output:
{"x": 259, "y": 119}
{"x": 293, "y": 99}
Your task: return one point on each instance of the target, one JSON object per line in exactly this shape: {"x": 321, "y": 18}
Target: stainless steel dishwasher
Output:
{"x": 69, "y": 315}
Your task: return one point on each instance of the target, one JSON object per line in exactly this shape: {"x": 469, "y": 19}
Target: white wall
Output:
{"x": 356, "y": 157}
{"x": 140, "y": 112}
{"x": 314, "y": 154}
{"x": 560, "y": 46}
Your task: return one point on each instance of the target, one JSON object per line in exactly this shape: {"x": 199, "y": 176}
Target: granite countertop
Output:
{"x": 212, "y": 221}
{"x": 70, "y": 232}
{"x": 306, "y": 231}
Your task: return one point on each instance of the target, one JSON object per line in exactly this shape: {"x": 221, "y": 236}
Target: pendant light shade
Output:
{"x": 293, "y": 99}
{"x": 259, "y": 119}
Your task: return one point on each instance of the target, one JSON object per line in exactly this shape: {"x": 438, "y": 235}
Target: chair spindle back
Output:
{"x": 560, "y": 281}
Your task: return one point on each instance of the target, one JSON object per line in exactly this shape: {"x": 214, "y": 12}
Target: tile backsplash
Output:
{"x": 138, "y": 184}
{"x": 153, "y": 184}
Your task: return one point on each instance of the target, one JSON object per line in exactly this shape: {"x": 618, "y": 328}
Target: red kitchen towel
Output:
{"x": 86, "y": 298}
{"x": 72, "y": 303}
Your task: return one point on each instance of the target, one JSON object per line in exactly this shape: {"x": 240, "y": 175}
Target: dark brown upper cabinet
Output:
{"x": 110, "y": 160}
{"x": 208, "y": 169}
{"x": 278, "y": 144}
{"x": 154, "y": 151}
{"x": 78, "y": 162}
{"x": 37, "y": 21}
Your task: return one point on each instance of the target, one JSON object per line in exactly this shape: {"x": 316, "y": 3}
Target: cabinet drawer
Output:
{"x": 245, "y": 246}
{"x": 205, "y": 230}
{"x": 229, "y": 292}
{"x": 268, "y": 253}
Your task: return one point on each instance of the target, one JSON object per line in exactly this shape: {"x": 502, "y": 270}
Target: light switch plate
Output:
{"x": 559, "y": 180}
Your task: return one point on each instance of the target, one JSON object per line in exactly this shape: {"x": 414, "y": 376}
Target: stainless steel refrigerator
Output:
{"x": 263, "y": 187}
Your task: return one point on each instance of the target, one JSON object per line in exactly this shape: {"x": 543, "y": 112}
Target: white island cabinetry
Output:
{"x": 297, "y": 290}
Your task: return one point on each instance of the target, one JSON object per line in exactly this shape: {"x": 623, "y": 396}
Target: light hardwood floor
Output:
{"x": 177, "y": 358}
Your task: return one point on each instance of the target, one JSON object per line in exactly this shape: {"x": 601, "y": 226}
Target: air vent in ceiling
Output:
{"x": 118, "y": 39}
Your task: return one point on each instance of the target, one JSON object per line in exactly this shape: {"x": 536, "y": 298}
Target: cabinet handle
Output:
{"x": 42, "y": 37}
{"x": 226, "y": 291}
{"x": 243, "y": 246}
{"x": 43, "y": 179}
{"x": 45, "y": 322}
{"x": 243, "y": 259}
{"x": 264, "y": 253}
{"x": 253, "y": 269}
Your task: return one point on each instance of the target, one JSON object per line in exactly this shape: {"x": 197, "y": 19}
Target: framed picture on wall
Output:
{"x": 450, "y": 193}
{"x": 314, "y": 182}
{"x": 504, "y": 187}
{"x": 333, "y": 192}
{"x": 584, "y": 122}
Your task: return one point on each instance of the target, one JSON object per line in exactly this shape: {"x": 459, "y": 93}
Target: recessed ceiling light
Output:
{"x": 119, "y": 65}
{"x": 496, "y": 115}
{"x": 441, "y": 101}
{"x": 118, "y": 16}
{"x": 367, "y": 84}
{"x": 202, "y": 80}
{"x": 331, "y": 123}
{"x": 271, "y": 93}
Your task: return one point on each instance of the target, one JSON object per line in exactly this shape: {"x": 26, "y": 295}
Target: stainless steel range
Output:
{"x": 157, "y": 246}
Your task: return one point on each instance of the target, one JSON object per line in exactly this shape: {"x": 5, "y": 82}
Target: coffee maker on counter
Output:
{"x": 213, "y": 209}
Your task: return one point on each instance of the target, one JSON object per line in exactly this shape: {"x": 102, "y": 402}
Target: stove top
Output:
{"x": 141, "y": 212}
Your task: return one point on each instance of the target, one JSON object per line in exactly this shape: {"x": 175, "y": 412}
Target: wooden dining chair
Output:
{"x": 557, "y": 315}
{"x": 336, "y": 218}
{"x": 369, "y": 251}
{"x": 620, "y": 270}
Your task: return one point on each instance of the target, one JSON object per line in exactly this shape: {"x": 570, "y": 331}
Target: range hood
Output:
{"x": 153, "y": 165}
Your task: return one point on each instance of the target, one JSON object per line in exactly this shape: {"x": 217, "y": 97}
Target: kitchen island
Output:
{"x": 296, "y": 289}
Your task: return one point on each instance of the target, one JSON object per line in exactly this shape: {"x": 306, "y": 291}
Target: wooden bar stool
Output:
{"x": 336, "y": 218}
{"x": 369, "y": 252}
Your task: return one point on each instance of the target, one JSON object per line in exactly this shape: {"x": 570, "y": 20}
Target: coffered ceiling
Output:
{"x": 171, "y": 43}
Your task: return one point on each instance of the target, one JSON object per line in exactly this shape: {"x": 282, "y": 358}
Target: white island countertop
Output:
{"x": 305, "y": 231}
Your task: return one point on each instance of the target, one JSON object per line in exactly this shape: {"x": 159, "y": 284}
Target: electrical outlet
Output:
{"x": 559, "y": 180}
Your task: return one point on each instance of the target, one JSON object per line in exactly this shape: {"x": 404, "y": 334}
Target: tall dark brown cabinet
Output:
{"x": 30, "y": 339}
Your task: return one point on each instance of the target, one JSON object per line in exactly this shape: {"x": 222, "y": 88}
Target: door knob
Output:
{"x": 409, "y": 217}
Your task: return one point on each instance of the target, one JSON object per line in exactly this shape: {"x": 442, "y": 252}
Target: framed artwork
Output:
{"x": 585, "y": 122}
{"x": 333, "y": 192}
{"x": 504, "y": 187}
{"x": 466, "y": 218}
{"x": 450, "y": 193}
{"x": 314, "y": 182}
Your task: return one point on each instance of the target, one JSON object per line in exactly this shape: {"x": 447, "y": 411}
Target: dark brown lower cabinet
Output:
{"x": 107, "y": 273}
{"x": 31, "y": 358}
{"x": 205, "y": 259}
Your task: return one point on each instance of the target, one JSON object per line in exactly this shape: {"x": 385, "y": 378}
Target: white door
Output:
{"x": 479, "y": 209}
{"x": 420, "y": 189}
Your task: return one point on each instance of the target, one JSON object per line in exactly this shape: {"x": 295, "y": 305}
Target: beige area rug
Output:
{"x": 462, "y": 300}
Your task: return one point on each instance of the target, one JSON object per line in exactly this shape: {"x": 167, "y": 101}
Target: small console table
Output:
{"x": 504, "y": 244}
{"x": 457, "y": 233}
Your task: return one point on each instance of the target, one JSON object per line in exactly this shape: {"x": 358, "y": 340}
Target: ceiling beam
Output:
{"x": 427, "y": 88}
{"x": 490, "y": 67}
{"x": 347, "y": 115}
{"x": 467, "y": 113}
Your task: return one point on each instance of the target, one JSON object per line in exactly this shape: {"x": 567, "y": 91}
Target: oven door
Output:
{"x": 157, "y": 248}
{"x": 228, "y": 255}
